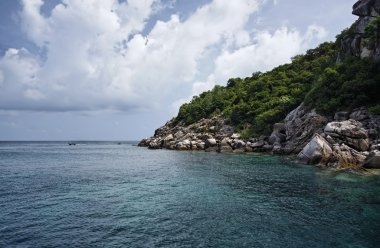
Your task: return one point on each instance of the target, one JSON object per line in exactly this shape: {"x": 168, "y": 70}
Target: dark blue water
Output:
{"x": 110, "y": 195}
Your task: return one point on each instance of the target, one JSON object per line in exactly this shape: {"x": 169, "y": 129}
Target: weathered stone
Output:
{"x": 239, "y": 144}
{"x": 226, "y": 149}
{"x": 346, "y": 157}
{"x": 360, "y": 114}
{"x": 169, "y": 137}
{"x": 366, "y": 8}
{"x": 258, "y": 144}
{"x": 316, "y": 151}
{"x": 210, "y": 143}
{"x": 235, "y": 136}
{"x": 279, "y": 134}
{"x": 351, "y": 128}
{"x": 225, "y": 142}
{"x": 179, "y": 134}
{"x": 373, "y": 160}
{"x": 201, "y": 145}
{"x": 300, "y": 126}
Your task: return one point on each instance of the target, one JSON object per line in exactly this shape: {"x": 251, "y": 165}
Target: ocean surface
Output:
{"x": 105, "y": 194}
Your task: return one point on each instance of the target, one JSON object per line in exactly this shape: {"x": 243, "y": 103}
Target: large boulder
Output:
{"x": 349, "y": 132}
{"x": 278, "y": 135}
{"x": 346, "y": 157}
{"x": 373, "y": 160}
{"x": 318, "y": 150}
{"x": 300, "y": 126}
{"x": 366, "y": 8}
{"x": 210, "y": 143}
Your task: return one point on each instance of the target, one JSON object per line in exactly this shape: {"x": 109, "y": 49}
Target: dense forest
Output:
{"x": 317, "y": 78}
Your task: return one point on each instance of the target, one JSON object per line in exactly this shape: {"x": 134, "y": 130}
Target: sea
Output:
{"x": 115, "y": 194}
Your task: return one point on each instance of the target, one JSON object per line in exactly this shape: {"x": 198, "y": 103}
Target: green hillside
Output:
{"x": 255, "y": 103}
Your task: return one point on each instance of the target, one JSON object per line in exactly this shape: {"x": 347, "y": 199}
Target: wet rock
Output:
{"x": 346, "y": 157}
{"x": 226, "y": 149}
{"x": 373, "y": 160}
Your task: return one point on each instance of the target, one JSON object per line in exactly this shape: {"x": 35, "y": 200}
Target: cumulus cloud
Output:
{"x": 265, "y": 51}
{"x": 95, "y": 55}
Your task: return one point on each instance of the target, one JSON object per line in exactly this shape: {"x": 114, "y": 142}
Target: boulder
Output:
{"x": 366, "y": 8}
{"x": 226, "y": 149}
{"x": 360, "y": 114}
{"x": 239, "y": 144}
{"x": 155, "y": 144}
{"x": 346, "y": 157}
{"x": 201, "y": 145}
{"x": 257, "y": 144}
{"x": 300, "y": 126}
{"x": 235, "y": 136}
{"x": 225, "y": 142}
{"x": 349, "y": 132}
{"x": 169, "y": 137}
{"x": 373, "y": 160}
{"x": 318, "y": 150}
{"x": 278, "y": 135}
{"x": 210, "y": 143}
{"x": 179, "y": 134}
{"x": 350, "y": 128}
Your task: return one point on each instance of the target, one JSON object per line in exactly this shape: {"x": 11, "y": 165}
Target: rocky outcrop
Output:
{"x": 342, "y": 144}
{"x": 300, "y": 126}
{"x": 364, "y": 8}
{"x": 318, "y": 150}
{"x": 373, "y": 160}
{"x": 355, "y": 43}
{"x": 349, "y": 140}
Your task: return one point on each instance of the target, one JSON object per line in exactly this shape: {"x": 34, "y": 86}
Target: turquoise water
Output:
{"x": 109, "y": 195}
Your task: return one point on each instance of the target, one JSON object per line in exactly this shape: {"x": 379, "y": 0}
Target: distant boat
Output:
{"x": 72, "y": 144}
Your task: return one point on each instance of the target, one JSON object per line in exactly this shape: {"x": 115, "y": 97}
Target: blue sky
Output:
{"x": 117, "y": 70}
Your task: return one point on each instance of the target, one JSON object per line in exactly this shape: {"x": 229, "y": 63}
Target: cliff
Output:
{"x": 323, "y": 107}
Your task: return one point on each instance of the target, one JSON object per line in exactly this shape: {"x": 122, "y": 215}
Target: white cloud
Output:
{"x": 97, "y": 57}
{"x": 266, "y": 51}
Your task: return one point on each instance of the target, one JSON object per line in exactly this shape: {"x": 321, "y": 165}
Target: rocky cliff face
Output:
{"x": 356, "y": 43}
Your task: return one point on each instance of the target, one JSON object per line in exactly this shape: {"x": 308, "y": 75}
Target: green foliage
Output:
{"x": 255, "y": 103}
{"x": 372, "y": 32}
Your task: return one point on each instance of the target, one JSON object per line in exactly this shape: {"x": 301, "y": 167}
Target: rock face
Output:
{"x": 351, "y": 140}
{"x": 355, "y": 43}
{"x": 300, "y": 126}
{"x": 318, "y": 150}
{"x": 364, "y": 8}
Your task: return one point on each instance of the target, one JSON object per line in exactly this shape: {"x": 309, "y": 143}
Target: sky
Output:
{"x": 119, "y": 69}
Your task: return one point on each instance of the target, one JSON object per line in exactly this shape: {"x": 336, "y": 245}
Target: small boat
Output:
{"x": 72, "y": 144}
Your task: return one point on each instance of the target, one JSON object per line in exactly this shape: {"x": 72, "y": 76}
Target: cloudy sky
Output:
{"x": 118, "y": 69}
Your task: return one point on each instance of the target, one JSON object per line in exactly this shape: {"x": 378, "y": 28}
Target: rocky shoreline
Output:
{"x": 347, "y": 140}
